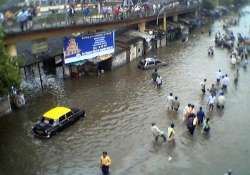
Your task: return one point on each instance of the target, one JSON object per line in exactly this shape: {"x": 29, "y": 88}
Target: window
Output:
{"x": 69, "y": 114}
{"x": 151, "y": 62}
{"x": 51, "y": 122}
{"x": 61, "y": 118}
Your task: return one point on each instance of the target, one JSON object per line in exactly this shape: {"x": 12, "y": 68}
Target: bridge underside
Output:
{"x": 12, "y": 38}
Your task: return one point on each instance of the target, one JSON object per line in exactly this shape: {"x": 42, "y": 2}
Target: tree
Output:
{"x": 9, "y": 70}
{"x": 209, "y": 4}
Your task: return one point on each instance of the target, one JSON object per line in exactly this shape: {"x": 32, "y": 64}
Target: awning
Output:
{"x": 79, "y": 63}
{"x": 102, "y": 58}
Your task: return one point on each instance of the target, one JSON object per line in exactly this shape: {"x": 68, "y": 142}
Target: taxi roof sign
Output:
{"x": 56, "y": 113}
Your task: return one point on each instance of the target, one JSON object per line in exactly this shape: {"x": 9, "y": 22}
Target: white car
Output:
{"x": 150, "y": 63}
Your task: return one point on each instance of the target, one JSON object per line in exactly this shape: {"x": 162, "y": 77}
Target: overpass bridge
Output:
{"x": 92, "y": 24}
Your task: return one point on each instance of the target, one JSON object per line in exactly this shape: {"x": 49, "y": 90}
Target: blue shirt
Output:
{"x": 200, "y": 115}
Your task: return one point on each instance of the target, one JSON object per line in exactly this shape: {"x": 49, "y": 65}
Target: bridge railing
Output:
{"x": 63, "y": 20}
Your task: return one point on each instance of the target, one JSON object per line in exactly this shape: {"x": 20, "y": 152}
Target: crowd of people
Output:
{"x": 215, "y": 94}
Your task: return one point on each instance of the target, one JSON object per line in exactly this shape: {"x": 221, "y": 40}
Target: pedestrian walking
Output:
{"x": 186, "y": 111}
{"x": 105, "y": 162}
{"x": 170, "y": 100}
{"x": 211, "y": 102}
{"x": 245, "y": 62}
{"x": 203, "y": 86}
{"x": 213, "y": 90}
{"x": 171, "y": 133}
{"x": 154, "y": 76}
{"x": 200, "y": 115}
{"x": 205, "y": 126}
{"x": 158, "y": 81}
{"x": 157, "y": 133}
{"x": 192, "y": 110}
{"x": 190, "y": 124}
{"x": 236, "y": 76}
{"x": 176, "y": 104}
{"x": 225, "y": 82}
{"x": 221, "y": 101}
{"x": 218, "y": 76}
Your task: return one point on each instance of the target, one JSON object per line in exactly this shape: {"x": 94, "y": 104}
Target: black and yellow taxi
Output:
{"x": 55, "y": 120}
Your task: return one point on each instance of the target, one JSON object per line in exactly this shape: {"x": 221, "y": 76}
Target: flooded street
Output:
{"x": 120, "y": 107}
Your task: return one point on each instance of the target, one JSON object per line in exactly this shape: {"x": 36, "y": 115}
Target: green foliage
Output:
{"x": 9, "y": 70}
{"x": 209, "y": 4}
{"x": 2, "y": 2}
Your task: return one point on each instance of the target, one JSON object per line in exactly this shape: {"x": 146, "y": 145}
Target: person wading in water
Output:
{"x": 105, "y": 162}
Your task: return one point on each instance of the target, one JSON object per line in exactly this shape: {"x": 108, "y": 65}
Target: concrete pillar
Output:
{"x": 165, "y": 22}
{"x": 175, "y": 18}
{"x": 11, "y": 50}
{"x": 142, "y": 27}
{"x": 196, "y": 13}
{"x": 99, "y": 7}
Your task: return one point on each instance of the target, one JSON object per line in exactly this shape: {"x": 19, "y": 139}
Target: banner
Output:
{"x": 88, "y": 46}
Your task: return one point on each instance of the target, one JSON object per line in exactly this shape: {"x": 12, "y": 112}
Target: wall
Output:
{"x": 139, "y": 49}
{"x": 158, "y": 43}
{"x": 119, "y": 59}
{"x": 132, "y": 52}
{"x": 5, "y": 107}
{"x": 163, "y": 41}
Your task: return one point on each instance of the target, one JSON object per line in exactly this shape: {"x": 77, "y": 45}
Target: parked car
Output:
{"x": 150, "y": 63}
{"x": 55, "y": 120}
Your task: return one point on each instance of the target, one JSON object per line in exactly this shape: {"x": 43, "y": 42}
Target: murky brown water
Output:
{"x": 120, "y": 107}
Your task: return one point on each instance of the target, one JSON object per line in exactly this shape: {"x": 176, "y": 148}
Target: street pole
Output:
{"x": 41, "y": 81}
{"x": 157, "y": 19}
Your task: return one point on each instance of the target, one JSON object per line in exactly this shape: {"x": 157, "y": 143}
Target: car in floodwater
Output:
{"x": 150, "y": 63}
{"x": 55, "y": 120}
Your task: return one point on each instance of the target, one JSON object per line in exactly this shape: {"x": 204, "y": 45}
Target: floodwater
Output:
{"x": 120, "y": 107}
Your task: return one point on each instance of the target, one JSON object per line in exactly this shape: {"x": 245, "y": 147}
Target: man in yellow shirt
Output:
{"x": 171, "y": 132}
{"x": 105, "y": 162}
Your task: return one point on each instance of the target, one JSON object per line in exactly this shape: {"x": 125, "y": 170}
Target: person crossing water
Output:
{"x": 236, "y": 76}
{"x": 203, "y": 86}
{"x": 211, "y": 102}
{"x": 186, "y": 111}
{"x": 171, "y": 133}
{"x": 200, "y": 115}
{"x": 158, "y": 81}
{"x": 191, "y": 124}
{"x": 225, "y": 82}
{"x": 157, "y": 133}
{"x": 218, "y": 76}
{"x": 213, "y": 90}
{"x": 176, "y": 104}
{"x": 205, "y": 126}
{"x": 105, "y": 162}
{"x": 221, "y": 101}
{"x": 170, "y": 100}
{"x": 154, "y": 76}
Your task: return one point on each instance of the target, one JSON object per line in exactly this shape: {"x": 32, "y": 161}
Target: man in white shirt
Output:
{"x": 158, "y": 81}
{"x": 218, "y": 76}
{"x": 225, "y": 82}
{"x": 211, "y": 101}
{"x": 157, "y": 133}
{"x": 203, "y": 86}
{"x": 170, "y": 100}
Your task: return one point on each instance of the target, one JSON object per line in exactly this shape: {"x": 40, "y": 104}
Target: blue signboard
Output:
{"x": 88, "y": 46}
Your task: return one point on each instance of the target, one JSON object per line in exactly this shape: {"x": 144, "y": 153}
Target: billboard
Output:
{"x": 88, "y": 46}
